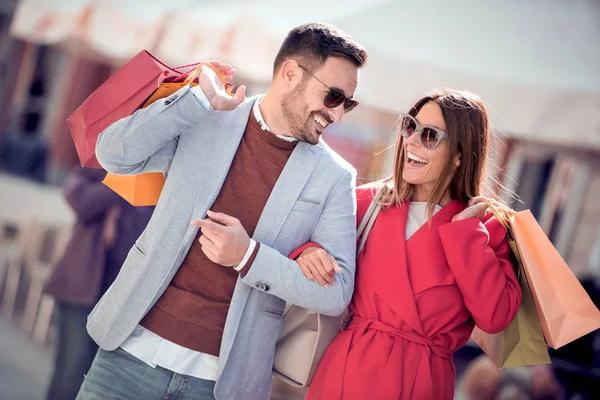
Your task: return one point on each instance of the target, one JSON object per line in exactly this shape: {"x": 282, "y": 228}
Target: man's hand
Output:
{"x": 224, "y": 240}
{"x": 318, "y": 266}
{"x": 226, "y": 70}
{"x": 214, "y": 89}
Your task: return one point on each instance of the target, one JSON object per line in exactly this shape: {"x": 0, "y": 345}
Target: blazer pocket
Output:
{"x": 272, "y": 313}
{"x": 307, "y": 206}
{"x": 139, "y": 250}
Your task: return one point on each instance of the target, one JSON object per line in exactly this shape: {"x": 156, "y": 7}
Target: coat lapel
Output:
{"x": 231, "y": 128}
{"x": 386, "y": 269}
{"x": 290, "y": 183}
{"x": 426, "y": 260}
{"x": 442, "y": 217}
{"x": 446, "y": 214}
{"x": 387, "y": 257}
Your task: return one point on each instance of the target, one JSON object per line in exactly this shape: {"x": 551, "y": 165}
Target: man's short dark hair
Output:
{"x": 311, "y": 45}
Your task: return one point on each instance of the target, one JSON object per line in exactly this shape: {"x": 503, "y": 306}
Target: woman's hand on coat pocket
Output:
{"x": 318, "y": 266}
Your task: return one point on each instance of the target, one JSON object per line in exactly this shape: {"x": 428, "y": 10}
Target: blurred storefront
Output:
{"x": 538, "y": 78}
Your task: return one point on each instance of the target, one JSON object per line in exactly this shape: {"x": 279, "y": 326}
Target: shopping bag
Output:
{"x": 118, "y": 97}
{"x": 522, "y": 342}
{"x": 565, "y": 309}
{"x": 144, "y": 189}
{"x": 138, "y": 190}
{"x": 122, "y": 94}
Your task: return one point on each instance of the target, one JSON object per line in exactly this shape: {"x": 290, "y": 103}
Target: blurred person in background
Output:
{"x": 23, "y": 148}
{"x": 434, "y": 264}
{"x": 483, "y": 380}
{"x": 24, "y": 151}
{"x": 105, "y": 230}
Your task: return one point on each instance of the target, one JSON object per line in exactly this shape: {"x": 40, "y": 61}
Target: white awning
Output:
{"x": 49, "y": 22}
{"x": 116, "y": 29}
{"x": 534, "y": 63}
{"x": 201, "y": 32}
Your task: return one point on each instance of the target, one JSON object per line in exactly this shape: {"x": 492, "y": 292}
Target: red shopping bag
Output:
{"x": 145, "y": 189}
{"x": 122, "y": 94}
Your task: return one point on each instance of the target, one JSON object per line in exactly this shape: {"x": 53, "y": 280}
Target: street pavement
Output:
{"x": 25, "y": 368}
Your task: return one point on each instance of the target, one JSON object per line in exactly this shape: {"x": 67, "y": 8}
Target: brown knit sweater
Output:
{"x": 193, "y": 309}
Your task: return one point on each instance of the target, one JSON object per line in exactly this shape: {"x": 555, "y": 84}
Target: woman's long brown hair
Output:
{"x": 466, "y": 118}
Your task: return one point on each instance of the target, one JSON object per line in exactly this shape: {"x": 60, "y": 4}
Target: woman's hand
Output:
{"x": 318, "y": 266}
{"x": 476, "y": 209}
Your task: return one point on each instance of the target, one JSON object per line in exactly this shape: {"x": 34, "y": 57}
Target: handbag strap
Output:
{"x": 504, "y": 215}
{"x": 368, "y": 219}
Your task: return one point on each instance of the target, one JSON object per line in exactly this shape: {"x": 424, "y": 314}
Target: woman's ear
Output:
{"x": 457, "y": 159}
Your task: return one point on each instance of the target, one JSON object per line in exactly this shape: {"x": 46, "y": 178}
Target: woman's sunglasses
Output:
{"x": 430, "y": 135}
{"x": 334, "y": 97}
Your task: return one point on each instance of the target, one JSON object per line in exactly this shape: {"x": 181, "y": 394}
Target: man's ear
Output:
{"x": 290, "y": 73}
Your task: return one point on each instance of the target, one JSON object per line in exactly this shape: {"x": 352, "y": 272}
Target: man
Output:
{"x": 106, "y": 228}
{"x": 197, "y": 313}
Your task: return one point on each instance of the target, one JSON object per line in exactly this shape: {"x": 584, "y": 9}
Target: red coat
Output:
{"x": 415, "y": 303}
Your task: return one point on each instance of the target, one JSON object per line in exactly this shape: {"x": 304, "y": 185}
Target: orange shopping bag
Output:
{"x": 145, "y": 189}
{"x": 566, "y": 311}
{"x": 138, "y": 190}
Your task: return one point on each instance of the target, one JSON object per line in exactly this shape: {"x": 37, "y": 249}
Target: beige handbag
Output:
{"x": 306, "y": 335}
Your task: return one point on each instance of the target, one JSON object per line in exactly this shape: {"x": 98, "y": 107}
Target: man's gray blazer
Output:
{"x": 313, "y": 200}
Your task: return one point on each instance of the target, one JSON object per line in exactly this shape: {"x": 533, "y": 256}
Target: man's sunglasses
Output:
{"x": 430, "y": 135}
{"x": 334, "y": 97}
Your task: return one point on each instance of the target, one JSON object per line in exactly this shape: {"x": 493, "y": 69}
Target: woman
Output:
{"x": 430, "y": 269}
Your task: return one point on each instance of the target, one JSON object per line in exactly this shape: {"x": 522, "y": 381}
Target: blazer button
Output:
{"x": 171, "y": 99}
{"x": 260, "y": 286}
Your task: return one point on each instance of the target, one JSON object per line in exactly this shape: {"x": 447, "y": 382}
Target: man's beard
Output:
{"x": 297, "y": 116}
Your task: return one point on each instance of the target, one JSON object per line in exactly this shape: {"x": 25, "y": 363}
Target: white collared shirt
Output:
{"x": 156, "y": 351}
{"x": 261, "y": 121}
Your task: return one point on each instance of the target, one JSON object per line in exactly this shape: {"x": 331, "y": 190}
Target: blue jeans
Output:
{"x": 74, "y": 353}
{"x": 119, "y": 375}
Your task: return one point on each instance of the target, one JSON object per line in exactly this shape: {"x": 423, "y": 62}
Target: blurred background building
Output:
{"x": 535, "y": 63}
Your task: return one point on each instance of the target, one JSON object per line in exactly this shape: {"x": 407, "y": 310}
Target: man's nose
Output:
{"x": 337, "y": 113}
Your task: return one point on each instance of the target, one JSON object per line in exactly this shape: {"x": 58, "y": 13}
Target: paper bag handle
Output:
{"x": 504, "y": 215}
{"x": 194, "y": 74}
